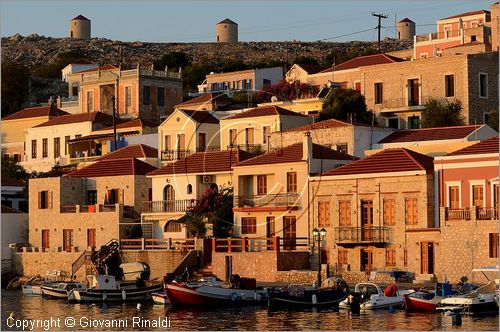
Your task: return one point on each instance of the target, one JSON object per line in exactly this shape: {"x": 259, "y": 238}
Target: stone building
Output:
{"x": 241, "y": 80}
{"x": 79, "y": 27}
{"x": 369, "y": 207}
{"x": 226, "y": 31}
{"x": 135, "y": 93}
{"x": 405, "y": 29}
{"x": 467, "y": 182}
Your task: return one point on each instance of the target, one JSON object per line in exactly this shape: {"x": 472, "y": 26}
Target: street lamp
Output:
{"x": 319, "y": 236}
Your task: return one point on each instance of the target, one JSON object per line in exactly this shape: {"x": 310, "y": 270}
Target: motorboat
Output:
{"x": 425, "y": 300}
{"x": 31, "y": 290}
{"x": 330, "y": 294}
{"x": 373, "y": 298}
{"x": 240, "y": 291}
{"x": 60, "y": 290}
{"x": 160, "y": 298}
{"x": 105, "y": 288}
{"x": 479, "y": 301}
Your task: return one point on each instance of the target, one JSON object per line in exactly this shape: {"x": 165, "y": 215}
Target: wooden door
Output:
{"x": 168, "y": 143}
{"x": 181, "y": 146}
{"x": 91, "y": 237}
{"x": 427, "y": 257}
{"x": 413, "y": 92}
{"x": 478, "y": 196}
{"x": 366, "y": 261}
{"x": 169, "y": 198}
{"x": 270, "y": 229}
{"x": 367, "y": 220}
{"x": 232, "y": 137}
{"x": 289, "y": 233}
{"x": 454, "y": 197}
{"x": 495, "y": 195}
{"x": 249, "y": 139}
{"x": 67, "y": 239}
{"x": 202, "y": 142}
{"x": 45, "y": 238}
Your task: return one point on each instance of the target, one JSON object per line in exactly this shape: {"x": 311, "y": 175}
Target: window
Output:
{"x": 146, "y": 95}
{"x": 378, "y": 93}
{"x": 128, "y": 98}
{"x": 161, "y": 96}
{"x": 172, "y": 227}
{"x": 342, "y": 147}
{"x": 345, "y": 213}
{"x": 114, "y": 196}
{"x": 249, "y": 136}
{"x": 266, "y": 132}
{"x": 413, "y": 92}
{"x": 493, "y": 245}
{"x": 483, "y": 85}
{"x": 342, "y": 257}
{"x": 66, "y": 141}
{"x": 67, "y": 239}
{"x": 232, "y": 137}
{"x": 454, "y": 195}
{"x": 74, "y": 90}
{"x": 393, "y": 123}
{"x": 91, "y": 197}
{"x": 189, "y": 189}
{"x": 449, "y": 85}
{"x": 45, "y": 199}
{"x": 90, "y": 101}
{"x": 45, "y": 238}
{"x": 33, "y": 149}
{"x": 478, "y": 195}
{"x": 202, "y": 142}
{"x": 324, "y": 213}
{"x": 411, "y": 211}
{"x": 266, "y": 82}
{"x": 45, "y": 147}
{"x": 413, "y": 122}
{"x": 248, "y": 225}
{"x": 261, "y": 184}
{"x": 389, "y": 212}
{"x": 91, "y": 238}
{"x": 168, "y": 142}
{"x": 495, "y": 195}
{"x": 390, "y": 257}
{"x": 291, "y": 182}
{"x": 57, "y": 147}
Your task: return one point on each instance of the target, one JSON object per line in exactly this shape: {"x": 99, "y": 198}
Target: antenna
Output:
{"x": 380, "y": 17}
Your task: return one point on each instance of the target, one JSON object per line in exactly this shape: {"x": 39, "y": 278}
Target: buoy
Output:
{"x": 392, "y": 310}
{"x": 139, "y": 306}
{"x": 124, "y": 295}
{"x": 456, "y": 319}
{"x": 314, "y": 299}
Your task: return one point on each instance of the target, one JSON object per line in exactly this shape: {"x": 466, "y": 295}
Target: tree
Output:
{"x": 173, "y": 60}
{"x": 346, "y": 105}
{"x": 15, "y": 87}
{"x": 11, "y": 168}
{"x": 53, "y": 70}
{"x": 305, "y": 60}
{"x": 492, "y": 120}
{"x": 442, "y": 114}
{"x": 287, "y": 91}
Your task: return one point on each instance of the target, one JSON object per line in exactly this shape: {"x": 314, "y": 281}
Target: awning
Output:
{"x": 102, "y": 137}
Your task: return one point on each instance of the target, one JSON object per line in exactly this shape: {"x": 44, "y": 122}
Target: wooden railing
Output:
{"x": 181, "y": 205}
{"x": 256, "y": 244}
{"x": 283, "y": 199}
{"x": 487, "y": 213}
{"x": 158, "y": 244}
{"x": 372, "y": 234}
{"x": 458, "y": 214}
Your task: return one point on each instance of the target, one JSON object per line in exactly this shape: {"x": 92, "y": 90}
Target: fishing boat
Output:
{"x": 330, "y": 294}
{"x": 425, "y": 300}
{"x": 60, "y": 290}
{"x": 373, "y": 298}
{"x": 241, "y": 291}
{"x": 105, "y": 288}
{"x": 31, "y": 290}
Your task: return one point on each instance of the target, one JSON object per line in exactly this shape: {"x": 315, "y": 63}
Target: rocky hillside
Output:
{"x": 35, "y": 50}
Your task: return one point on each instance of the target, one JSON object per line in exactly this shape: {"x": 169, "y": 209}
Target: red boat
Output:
{"x": 421, "y": 301}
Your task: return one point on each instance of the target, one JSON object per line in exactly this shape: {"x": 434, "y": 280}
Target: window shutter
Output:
{"x": 121, "y": 194}
{"x": 39, "y": 200}
{"x": 49, "y": 199}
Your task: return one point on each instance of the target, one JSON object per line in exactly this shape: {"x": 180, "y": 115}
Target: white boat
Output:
{"x": 481, "y": 300}
{"x": 60, "y": 290}
{"x": 29, "y": 290}
{"x": 160, "y": 298}
{"x": 373, "y": 298}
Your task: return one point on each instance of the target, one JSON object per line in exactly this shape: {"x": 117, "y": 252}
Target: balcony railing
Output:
{"x": 208, "y": 148}
{"x": 284, "y": 199}
{"x": 88, "y": 208}
{"x": 245, "y": 147}
{"x": 405, "y": 102}
{"x": 458, "y": 214}
{"x": 487, "y": 213}
{"x": 437, "y": 35}
{"x": 372, "y": 234}
{"x": 182, "y": 205}
{"x": 257, "y": 244}
{"x": 169, "y": 155}
{"x": 78, "y": 160}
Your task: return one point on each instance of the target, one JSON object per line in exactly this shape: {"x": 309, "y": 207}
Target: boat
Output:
{"x": 479, "y": 301}
{"x": 373, "y": 298}
{"x": 60, "y": 290}
{"x": 425, "y": 300}
{"x": 160, "y": 298}
{"x": 29, "y": 290}
{"x": 105, "y": 288}
{"x": 330, "y": 294}
{"x": 241, "y": 291}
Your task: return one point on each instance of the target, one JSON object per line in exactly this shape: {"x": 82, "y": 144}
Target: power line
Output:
{"x": 379, "y": 26}
{"x": 347, "y": 34}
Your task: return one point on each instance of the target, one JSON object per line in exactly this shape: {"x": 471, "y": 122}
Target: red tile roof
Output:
{"x": 430, "y": 134}
{"x": 331, "y": 123}
{"x": 81, "y": 117}
{"x": 113, "y": 167}
{"x": 265, "y": 111}
{"x": 293, "y": 153}
{"x": 132, "y": 124}
{"x": 105, "y": 67}
{"x": 80, "y": 17}
{"x": 386, "y": 161}
{"x": 7, "y": 209}
{"x": 207, "y": 98}
{"x": 475, "y": 12}
{"x": 132, "y": 151}
{"x": 201, "y": 116}
{"x": 205, "y": 162}
{"x": 488, "y": 146}
{"x": 367, "y": 60}
{"x": 35, "y": 112}
{"x": 12, "y": 182}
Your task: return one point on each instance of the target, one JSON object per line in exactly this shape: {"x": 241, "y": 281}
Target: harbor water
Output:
{"x": 146, "y": 316}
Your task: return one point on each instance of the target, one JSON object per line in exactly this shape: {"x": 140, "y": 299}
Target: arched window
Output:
{"x": 189, "y": 189}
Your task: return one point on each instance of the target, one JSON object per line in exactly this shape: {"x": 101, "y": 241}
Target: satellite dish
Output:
{"x": 274, "y": 99}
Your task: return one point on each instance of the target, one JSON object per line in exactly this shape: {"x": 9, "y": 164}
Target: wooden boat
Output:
{"x": 29, "y": 290}
{"x": 332, "y": 292}
{"x": 60, "y": 290}
{"x": 424, "y": 300}
{"x": 373, "y": 298}
{"x": 160, "y": 298}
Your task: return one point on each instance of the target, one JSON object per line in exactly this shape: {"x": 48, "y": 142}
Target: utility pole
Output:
{"x": 379, "y": 26}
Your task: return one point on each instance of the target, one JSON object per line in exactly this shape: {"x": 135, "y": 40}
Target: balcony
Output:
{"x": 473, "y": 213}
{"x": 487, "y": 213}
{"x": 246, "y": 147}
{"x": 171, "y": 155}
{"x": 208, "y": 149}
{"x": 435, "y": 36}
{"x": 404, "y": 104}
{"x": 458, "y": 214}
{"x": 346, "y": 235}
{"x": 181, "y": 205}
{"x": 283, "y": 200}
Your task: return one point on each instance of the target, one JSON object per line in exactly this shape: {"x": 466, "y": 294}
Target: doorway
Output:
{"x": 427, "y": 257}
{"x": 367, "y": 220}
{"x": 270, "y": 230}
{"x": 366, "y": 261}
{"x": 289, "y": 233}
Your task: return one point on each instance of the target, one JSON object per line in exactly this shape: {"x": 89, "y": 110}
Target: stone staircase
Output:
{"x": 205, "y": 271}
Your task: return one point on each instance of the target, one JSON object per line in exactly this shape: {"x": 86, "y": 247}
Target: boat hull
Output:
{"x": 160, "y": 298}
{"x": 313, "y": 298}
{"x": 53, "y": 293}
{"x": 413, "y": 304}
{"x": 32, "y": 290}
{"x": 111, "y": 295}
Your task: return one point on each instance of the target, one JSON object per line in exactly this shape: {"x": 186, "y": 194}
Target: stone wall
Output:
{"x": 160, "y": 262}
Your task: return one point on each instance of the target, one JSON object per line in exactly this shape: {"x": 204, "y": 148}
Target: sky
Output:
{"x": 258, "y": 20}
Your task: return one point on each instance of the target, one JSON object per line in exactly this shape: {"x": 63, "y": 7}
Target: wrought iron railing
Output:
{"x": 283, "y": 199}
{"x": 169, "y": 155}
{"x": 181, "y": 205}
{"x": 370, "y": 234}
{"x": 490, "y": 213}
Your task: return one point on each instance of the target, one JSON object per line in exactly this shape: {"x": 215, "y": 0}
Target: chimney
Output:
{"x": 307, "y": 148}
